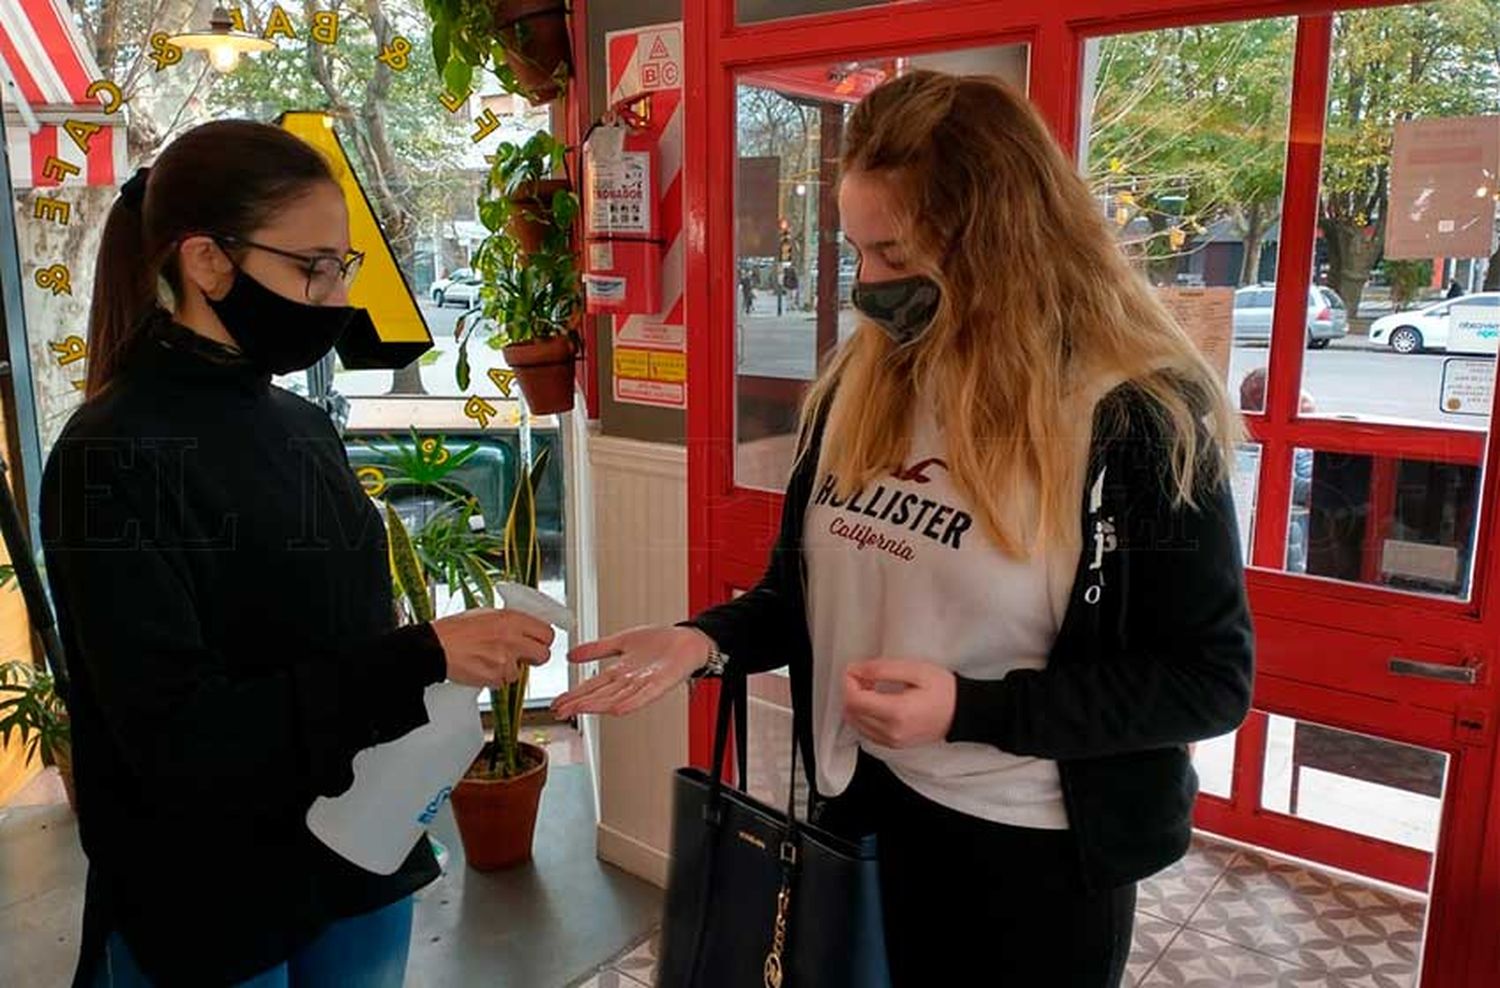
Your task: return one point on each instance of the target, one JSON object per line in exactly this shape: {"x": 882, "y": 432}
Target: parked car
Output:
{"x": 440, "y": 286}
{"x": 1327, "y": 316}
{"x": 459, "y": 288}
{"x": 1428, "y": 327}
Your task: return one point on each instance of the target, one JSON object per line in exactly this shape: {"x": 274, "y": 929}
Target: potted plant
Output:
{"x": 496, "y": 802}
{"x": 523, "y": 42}
{"x": 532, "y": 302}
{"x": 523, "y": 198}
{"x": 31, "y": 709}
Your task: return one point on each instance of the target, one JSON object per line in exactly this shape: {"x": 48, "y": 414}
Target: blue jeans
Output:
{"x": 366, "y": 951}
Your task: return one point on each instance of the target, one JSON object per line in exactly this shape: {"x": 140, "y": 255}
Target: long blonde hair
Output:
{"x": 1040, "y": 311}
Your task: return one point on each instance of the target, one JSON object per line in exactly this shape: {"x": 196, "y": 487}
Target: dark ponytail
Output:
{"x": 225, "y": 178}
{"x": 124, "y": 291}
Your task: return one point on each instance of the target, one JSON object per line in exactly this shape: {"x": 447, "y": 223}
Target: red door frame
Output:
{"x": 731, "y": 528}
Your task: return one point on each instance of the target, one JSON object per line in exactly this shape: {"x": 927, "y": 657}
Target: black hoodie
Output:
{"x": 224, "y": 598}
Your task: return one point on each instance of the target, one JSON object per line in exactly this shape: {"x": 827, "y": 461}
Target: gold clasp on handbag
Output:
{"x": 778, "y": 938}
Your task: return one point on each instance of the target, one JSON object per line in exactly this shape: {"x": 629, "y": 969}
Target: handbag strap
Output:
{"x": 734, "y": 708}
{"x": 733, "y": 704}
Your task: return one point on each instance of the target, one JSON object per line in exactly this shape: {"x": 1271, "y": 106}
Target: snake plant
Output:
{"x": 446, "y": 550}
{"x": 523, "y": 564}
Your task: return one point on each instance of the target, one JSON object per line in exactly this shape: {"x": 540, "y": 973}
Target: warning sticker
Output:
{"x": 650, "y": 393}
{"x": 620, "y": 194}
{"x": 669, "y": 367}
{"x": 651, "y": 377}
{"x": 633, "y": 363}
{"x": 651, "y": 335}
{"x": 660, "y": 58}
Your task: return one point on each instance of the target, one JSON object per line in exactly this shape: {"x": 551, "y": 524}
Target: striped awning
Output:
{"x": 46, "y": 70}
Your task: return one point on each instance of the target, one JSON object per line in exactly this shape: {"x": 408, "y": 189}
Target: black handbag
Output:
{"x": 757, "y": 898}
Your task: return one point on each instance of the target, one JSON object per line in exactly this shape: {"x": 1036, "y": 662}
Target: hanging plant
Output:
{"x": 524, "y": 43}
{"x": 532, "y": 295}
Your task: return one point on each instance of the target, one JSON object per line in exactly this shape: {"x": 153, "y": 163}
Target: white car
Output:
{"x": 459, "y": 288}
{"x": 1429, "y": 327}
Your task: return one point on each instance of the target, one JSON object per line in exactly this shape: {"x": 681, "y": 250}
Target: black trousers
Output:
{"x": 968, "y": 901}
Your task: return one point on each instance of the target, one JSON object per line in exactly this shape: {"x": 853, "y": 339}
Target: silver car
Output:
{"x": 461, "y": 289}
{"x": 1327, "y": 316}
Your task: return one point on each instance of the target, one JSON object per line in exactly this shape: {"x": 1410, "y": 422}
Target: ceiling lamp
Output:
{"x": 223, "y": 44}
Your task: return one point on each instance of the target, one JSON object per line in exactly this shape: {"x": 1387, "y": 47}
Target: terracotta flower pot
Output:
{"x": 531, "y": 213}
{"x": 545, "y": 370}
{"x": 497, "y": 817}
{"x": 534, "y": 34}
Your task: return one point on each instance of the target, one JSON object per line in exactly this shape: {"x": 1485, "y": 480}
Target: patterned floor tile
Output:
{"x": 1350, "y": 932}
{"x": 640, "y": 963}
{"x": 612, "y": 979}
{"x": 1176, "y": 893}
{"x": 1150, "y": 939}
{"x": 1198, "y": 961}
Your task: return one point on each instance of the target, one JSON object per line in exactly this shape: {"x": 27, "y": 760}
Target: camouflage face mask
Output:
{"x": 904, "y": 308}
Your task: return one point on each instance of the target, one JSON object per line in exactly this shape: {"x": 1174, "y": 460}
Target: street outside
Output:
{"x": 439, "y": 366}
{"x": 1348, "y": 379}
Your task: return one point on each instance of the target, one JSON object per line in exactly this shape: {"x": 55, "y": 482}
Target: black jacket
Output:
{"x": 1155, "y": 649}
{"x": 224, "y": 599}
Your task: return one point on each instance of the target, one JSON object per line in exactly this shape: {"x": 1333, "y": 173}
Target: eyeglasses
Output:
{"x": 325, "y": 272}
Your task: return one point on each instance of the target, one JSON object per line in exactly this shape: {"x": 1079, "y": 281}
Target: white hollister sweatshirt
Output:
{"x": 904, "y": 570}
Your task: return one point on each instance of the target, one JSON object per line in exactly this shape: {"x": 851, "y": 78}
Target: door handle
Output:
{"x": 1468, "y": 675}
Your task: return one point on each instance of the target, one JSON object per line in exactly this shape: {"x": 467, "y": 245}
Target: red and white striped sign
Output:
{"x": 48, "y": 70}
{"x": 649, "y": 60}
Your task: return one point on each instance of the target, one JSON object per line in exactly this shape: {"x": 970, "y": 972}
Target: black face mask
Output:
{"x": 904, "y": 308}
{"x": 274, "y": 333}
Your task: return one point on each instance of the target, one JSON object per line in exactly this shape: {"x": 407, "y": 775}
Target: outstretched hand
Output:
{"x": 641, "y": 666}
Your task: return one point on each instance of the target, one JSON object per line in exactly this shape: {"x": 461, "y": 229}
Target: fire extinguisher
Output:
{"x": 622, "y": 216}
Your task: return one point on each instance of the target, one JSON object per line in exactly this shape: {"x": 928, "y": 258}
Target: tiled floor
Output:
{"x": 1226, "y": 917}
{"x": 636, "y": 968}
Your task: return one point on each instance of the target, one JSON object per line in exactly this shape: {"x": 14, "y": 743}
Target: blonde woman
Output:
{"x": 1008, "y": 582}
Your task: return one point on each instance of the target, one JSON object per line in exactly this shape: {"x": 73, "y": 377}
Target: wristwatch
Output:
{"x": 717, "y": 660}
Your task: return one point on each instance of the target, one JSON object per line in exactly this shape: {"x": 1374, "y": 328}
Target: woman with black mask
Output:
{"x": 223, "y": 589}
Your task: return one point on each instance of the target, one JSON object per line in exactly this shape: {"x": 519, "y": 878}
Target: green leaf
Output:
{"x": 480, "y": 574}
{"x": 441, "y": 34}
{"x": 465, "y": 49}
{"x": 457, "y": 76}
{"x": 408, "y": 567}
{"x": 564, "y": 208}
{"x": 462, "y": 456}
{"x": 462, "y": 373}
{"x": 493, "y": 213}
